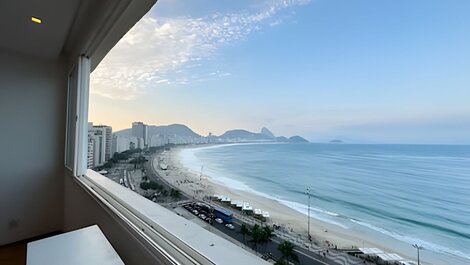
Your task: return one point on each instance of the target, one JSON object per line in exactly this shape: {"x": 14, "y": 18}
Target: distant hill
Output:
{"x": 265, "y": 135}
{"x": 267, "y": 132}
{"x": 244, "y": 135}
{"x": 167, "y": 130}
{"x": 336, "y": 141}
{"x": 297, "y": 139}
{"x": 282, "y": 139}
{"x": 238, "y": 135}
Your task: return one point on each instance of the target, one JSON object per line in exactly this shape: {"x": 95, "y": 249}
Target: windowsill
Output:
{"x": 178, "y": 237}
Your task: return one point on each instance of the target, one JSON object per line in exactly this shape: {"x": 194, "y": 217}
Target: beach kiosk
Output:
{"x": 226, "y": 200}
{"x": 258, "y": 214}
{"x": 265, "y": 216}
{"x": 217, "y": 197}
{"x": 247, "y": 209}
{"x": 390, "y": 257}
{"x": 234, "y": 203}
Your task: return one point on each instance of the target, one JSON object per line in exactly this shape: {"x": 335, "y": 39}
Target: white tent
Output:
{"x": 247, "y": 207}
{"x": 371, "y": 251}
{"x": 389, "y": 257}
{"x": 226, "y": 199}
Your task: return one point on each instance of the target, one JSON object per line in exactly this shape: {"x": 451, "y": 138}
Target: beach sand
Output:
{"x": 294, "y": 221}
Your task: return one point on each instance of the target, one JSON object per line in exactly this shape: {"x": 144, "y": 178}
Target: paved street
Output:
{"x": 305, "y": 257}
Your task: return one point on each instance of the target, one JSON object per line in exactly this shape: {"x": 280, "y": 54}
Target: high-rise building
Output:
{"x": 122, "y": 143}
{"x": 100, "y": 144}
{"x": 107, "y": 133}
{"x": 98, "y": 148}
{"x": 139, "y": 130}
{"x": 90, "y": 149}
{"x": 157, "y": 140}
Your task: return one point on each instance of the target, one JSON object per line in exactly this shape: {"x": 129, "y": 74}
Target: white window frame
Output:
{"x": 78, "y": 148}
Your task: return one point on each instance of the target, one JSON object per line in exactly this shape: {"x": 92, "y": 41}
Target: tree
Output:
{"x": 266, "y": 235}
{"x": 287, "y": 250}
{"x": 108, "y": 165}
{"x": 281, "y": 261}
{"x": 244, "y": 230}
{"x": 144, "y": 185}
{"x": 121, "y": 156}
{"x": 255, "y": 236}
{"x": 149, "y": 185}
{"x": 175, "y": 194}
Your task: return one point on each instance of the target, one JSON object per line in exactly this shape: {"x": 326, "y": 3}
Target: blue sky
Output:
{"x": 370, "y": 71}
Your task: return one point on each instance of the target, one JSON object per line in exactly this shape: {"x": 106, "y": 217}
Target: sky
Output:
{"x": 364, "y": 71}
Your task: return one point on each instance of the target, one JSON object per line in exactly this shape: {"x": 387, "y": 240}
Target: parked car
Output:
{"x": 218, "y": 220}
{"x": 230, "y": 226}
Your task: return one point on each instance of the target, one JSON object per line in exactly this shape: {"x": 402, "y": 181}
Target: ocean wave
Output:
{"x": 411, "y": 240}
{"x": 215, "y": 146}
{"x": 189, "y": 160}
{"x": 315, "y": 213}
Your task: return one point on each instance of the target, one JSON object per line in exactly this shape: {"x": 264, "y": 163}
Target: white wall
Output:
{"x": 32, "y": 125}
{"x": 82, "y": 209}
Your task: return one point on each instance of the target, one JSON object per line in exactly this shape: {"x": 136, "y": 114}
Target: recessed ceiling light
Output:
{"x": 36, "y": 20}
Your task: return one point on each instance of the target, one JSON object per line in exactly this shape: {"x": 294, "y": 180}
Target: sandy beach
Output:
{"x": 292, "y": 220}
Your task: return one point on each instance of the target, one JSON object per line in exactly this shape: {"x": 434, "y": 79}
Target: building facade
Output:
{"x": 139, "y": 130}
{"x": 99, "y": 144}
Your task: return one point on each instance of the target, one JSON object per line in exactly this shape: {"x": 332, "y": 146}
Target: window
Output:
{"x": 77, "y": 117}
{"x": 383, "y": 95}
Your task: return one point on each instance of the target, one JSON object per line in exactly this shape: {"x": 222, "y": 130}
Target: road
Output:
{"x": 305, "y": 257}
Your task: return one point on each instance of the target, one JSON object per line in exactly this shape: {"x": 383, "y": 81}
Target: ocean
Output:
{"x": 409, "y": 193}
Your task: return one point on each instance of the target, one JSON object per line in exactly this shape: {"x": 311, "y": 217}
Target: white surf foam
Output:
{"x": 411, "y": 240}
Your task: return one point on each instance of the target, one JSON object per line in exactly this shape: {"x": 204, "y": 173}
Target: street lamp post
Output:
{"x": 200, "y": 183}
{"x": 418, "y": 248}
{"x": 308, "y": 222}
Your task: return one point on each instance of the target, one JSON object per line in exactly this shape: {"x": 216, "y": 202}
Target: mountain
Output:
{"x": 167, "y": 130}
{"x": 336, "y": 141}
{"x": 243, "y": 135}
{"x": 282, "y": 139}
{"x": 174, "y": 129}
{"x": 179, "y": 133}
{"x": 267, "y": 132}
{"x": 297, "y": 139}
{"x": 264, "y": 135}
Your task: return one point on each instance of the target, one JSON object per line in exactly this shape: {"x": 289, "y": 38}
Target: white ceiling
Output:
{"x": 46, "y": 40}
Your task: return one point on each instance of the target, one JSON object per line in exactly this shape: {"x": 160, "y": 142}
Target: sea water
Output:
{"x": 411, "y": 193}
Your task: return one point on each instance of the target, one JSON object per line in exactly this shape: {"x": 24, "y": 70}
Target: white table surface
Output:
{"x": 84, "y": 246}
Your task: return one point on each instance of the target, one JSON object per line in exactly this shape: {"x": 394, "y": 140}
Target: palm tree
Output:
{"x": 175, "y": 194}
{"x": 287, "y": 250}
{"x": 255, "y": 236}
{"x": 266, "y": 235}
{"x": 244, "y": 230}
{"x": 281, "y": 261}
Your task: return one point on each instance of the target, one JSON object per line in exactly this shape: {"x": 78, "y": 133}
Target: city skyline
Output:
{"x": 373, "y": 72}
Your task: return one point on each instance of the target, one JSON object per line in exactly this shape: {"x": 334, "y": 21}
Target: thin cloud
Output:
{"x": 162, "y": 51}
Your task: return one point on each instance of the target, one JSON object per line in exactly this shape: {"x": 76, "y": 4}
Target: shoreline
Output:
{"x": 281, "y": 214}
